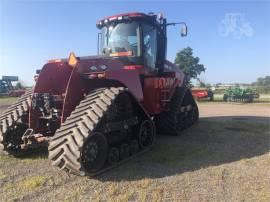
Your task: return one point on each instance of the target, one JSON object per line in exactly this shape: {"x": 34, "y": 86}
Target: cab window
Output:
{"x": 123, "y": 37}
{"x": 150, "y": 46}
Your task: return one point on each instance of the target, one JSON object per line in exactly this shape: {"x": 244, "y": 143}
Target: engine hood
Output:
{"x": 92, "y": 64}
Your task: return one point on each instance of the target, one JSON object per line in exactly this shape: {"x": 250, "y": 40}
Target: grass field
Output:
{"x": 224, "y": 157}
{"x": 4, "y": 101}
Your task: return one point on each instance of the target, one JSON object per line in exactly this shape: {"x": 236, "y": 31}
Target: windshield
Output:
{"x": 121, "y": 39}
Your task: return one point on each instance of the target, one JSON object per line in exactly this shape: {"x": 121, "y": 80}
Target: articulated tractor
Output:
{"x": 94, "y": 112}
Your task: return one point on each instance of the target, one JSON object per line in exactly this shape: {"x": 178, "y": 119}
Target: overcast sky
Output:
{"x": 231, "y": 38}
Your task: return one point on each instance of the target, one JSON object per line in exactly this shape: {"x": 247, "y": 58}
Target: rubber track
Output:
{"x": 65, "y": 146}
{"x": 13, "y": 115}
{"x": 166, "y": 121}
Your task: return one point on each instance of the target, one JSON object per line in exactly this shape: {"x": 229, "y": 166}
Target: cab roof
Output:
{"x": 123, "y": 16}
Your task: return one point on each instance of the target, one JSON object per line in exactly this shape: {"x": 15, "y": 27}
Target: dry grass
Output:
{"x": 7, "y": 100}
{"x": 2, "y": 175}
{"x": 33, "y": 182}
{"x": 20, "y": 187}
{"x": 219, "y": 159}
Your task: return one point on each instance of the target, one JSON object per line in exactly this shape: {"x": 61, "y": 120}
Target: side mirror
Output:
{"x": 184, "y": 30}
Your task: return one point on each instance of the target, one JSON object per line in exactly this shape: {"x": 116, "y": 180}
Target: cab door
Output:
{"x": 150, "y": 75}
{"x": 158, "y": 85}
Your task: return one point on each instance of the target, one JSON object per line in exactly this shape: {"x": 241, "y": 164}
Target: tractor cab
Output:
{"x": 137, "y": 39}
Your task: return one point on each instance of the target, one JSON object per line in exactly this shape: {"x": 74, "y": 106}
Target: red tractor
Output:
{"x": 93, "y": 112}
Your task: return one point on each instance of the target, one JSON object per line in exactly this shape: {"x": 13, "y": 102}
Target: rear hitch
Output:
{"x": 31, "y": 140}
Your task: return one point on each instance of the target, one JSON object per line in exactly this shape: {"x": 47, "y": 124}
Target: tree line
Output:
{"x": 262, "y": 85}
{"x": 192, "y": 68}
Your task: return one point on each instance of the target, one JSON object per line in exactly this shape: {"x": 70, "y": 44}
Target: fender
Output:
{"x": 131, "y": 80}
{"x": 80, "y": 84}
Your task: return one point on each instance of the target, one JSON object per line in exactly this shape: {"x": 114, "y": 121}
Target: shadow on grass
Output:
{"x": 41, "y": 153}
{"x": 212, "y": 141}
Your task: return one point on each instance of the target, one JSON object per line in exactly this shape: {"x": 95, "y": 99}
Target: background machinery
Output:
{"x": 7, "y": 88}
{"x": 93, "y": 112}
{"x": 238, "y": 94}
{"x": 202, "y": 93}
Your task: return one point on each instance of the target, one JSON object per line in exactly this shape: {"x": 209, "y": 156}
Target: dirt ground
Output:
{"x": 224, "y": 157}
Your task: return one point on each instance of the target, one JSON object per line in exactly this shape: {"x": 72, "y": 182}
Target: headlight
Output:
{"x": 103, "y": 67}
{"x": 93, "y": 68}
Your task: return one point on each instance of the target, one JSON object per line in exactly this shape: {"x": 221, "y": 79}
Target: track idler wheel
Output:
{"x": 94, "y": 152}
{"x": 146, "y": 133}
{"x": 113, "y": 156}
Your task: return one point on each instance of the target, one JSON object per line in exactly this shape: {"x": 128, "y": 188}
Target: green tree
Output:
{"x": 19, "y": 85}
{"x": 262, "y": 81}
{"x": 262, "y": 84}
{"x": 189, "y": 64}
